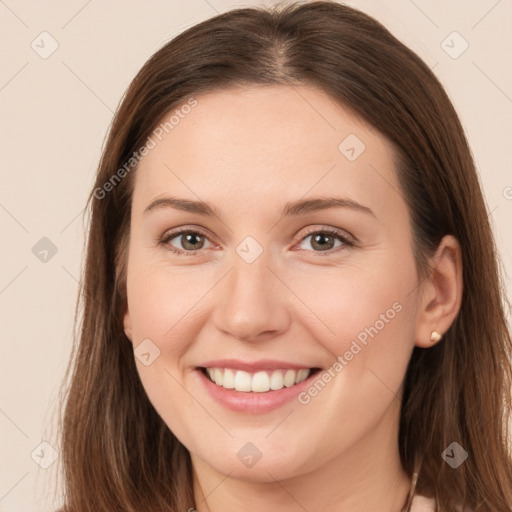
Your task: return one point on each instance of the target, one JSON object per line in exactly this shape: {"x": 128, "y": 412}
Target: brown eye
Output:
{"x": 325, "y": 240}
{"x": 185, "y": 241}
{"x": 322, "y": 242}
{"x": 192, "y": 241}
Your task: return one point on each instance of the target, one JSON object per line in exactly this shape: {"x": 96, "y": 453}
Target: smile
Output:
{"x": 254, "y": 387}
{"x": 257, "y": 382}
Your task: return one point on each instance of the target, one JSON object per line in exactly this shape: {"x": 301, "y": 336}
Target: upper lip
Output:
{"x": 251, "y": 366}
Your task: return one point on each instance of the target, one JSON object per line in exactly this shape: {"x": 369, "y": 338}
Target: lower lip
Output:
{"x": 252, "y": 402}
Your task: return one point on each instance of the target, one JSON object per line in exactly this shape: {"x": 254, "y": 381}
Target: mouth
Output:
{"x": 261, "y": 381}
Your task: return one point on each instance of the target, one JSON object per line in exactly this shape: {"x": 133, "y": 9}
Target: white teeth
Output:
{"x": 259, "y": 382}
{"x": 302, "y": 375}
{"x": 276, "y": 381}
{"x": 242, "y": 381}
{"x": 289, "y": 378}
{"x": 218, "y": 375}
{"x": 229, "y": 379}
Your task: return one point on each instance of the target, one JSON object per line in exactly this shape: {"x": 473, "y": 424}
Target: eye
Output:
{"x": 189, "y": 241}
{"x": 324, "y": 240}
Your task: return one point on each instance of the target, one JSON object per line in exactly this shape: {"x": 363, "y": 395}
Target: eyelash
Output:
{"x": 340, "y": 235}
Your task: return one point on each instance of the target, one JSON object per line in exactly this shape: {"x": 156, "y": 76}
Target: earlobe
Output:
{"x": 441, "y": 295}
{"x": 127, "y": 323}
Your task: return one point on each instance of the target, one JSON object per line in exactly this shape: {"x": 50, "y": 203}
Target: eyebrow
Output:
{"x": 292, "y": 208}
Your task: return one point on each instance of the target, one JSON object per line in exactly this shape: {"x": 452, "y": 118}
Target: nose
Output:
{"x": 253, "y": 303}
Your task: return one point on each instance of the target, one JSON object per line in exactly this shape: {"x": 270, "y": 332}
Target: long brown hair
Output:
{"x": 117, "y": 453}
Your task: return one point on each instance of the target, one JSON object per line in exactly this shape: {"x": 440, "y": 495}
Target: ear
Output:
{"x": 441, "y": 293}
{"x": 127, "y": 323}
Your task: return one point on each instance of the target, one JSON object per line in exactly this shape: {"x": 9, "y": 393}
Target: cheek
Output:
{"x": 163, "y": 302}
{"x": 163, "y": 305}
{"x": 367, "y": 325}
{"x": 166, "y": 306}
{"x": 361, "y": 301}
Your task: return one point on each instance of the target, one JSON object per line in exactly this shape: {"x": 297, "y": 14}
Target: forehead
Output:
{"x": 261, "y": 144}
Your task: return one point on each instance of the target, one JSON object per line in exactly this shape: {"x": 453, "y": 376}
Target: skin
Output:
{"x": 247, "y": 152}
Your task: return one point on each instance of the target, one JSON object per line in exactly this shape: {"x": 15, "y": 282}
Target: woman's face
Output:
{"x": 271, "y": 280}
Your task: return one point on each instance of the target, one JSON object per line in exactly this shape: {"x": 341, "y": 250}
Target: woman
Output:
{"x": 291, "y": 295}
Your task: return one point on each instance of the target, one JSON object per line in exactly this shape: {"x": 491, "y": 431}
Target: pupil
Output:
{"x": 189, "y": 240}
{"x": 317, "y": 239}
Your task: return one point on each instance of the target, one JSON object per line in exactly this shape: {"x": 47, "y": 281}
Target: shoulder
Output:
{"x": 424, "y": 504}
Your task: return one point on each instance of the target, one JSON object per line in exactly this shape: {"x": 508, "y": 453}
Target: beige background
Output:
{"x": 55, "y": 112}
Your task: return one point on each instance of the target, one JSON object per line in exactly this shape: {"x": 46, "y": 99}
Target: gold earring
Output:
{"x": 435, "y": 337}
